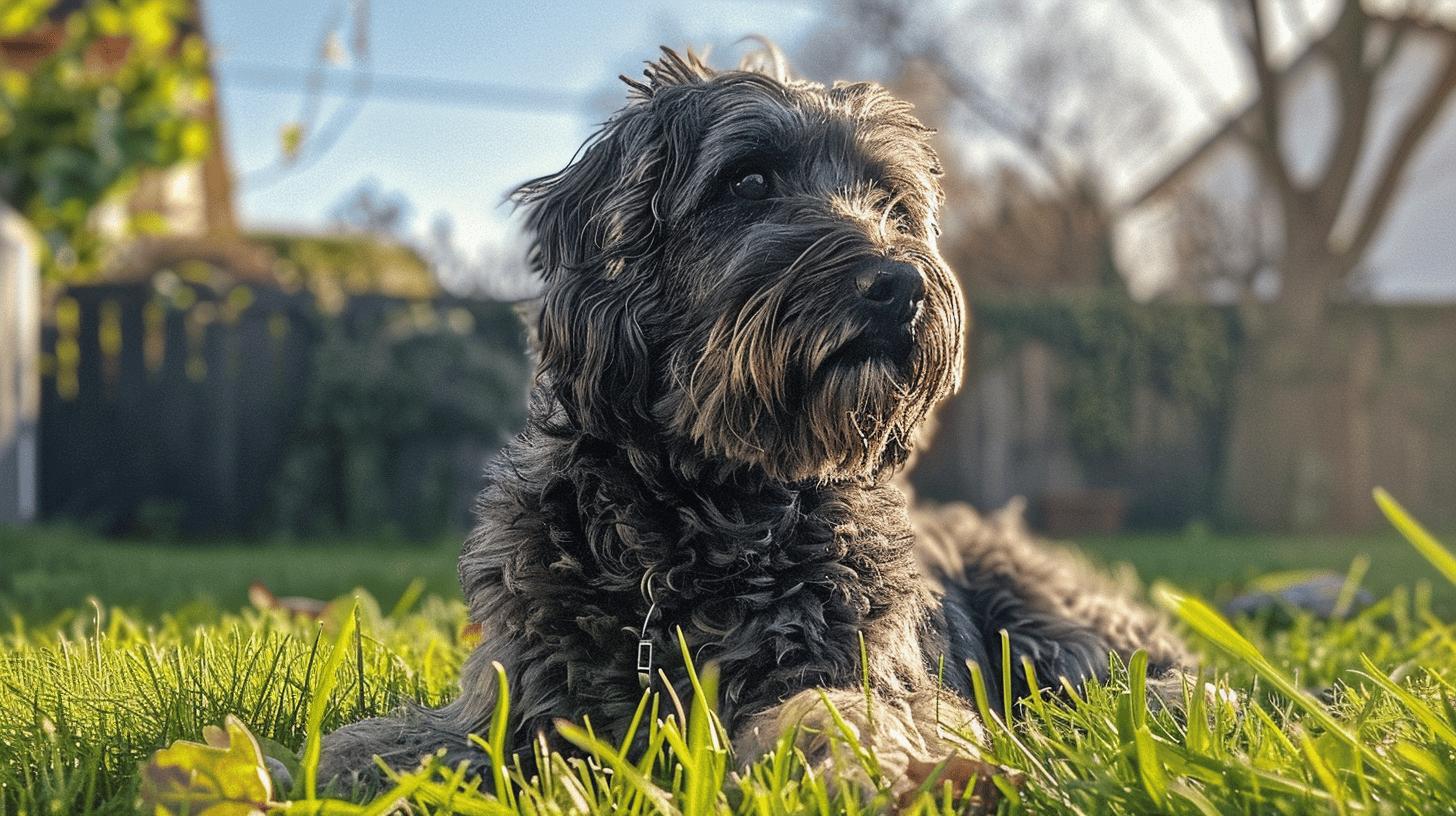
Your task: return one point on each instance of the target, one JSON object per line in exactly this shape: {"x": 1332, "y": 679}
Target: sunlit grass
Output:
{"x": 1352, "y": 716}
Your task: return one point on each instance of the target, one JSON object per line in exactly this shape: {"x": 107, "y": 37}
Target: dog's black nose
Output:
{"x": 894, "y": 286}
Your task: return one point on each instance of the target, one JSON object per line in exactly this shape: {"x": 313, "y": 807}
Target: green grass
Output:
{"x": 51, "y": 571}
{"x": 1354, "y": 716}
{"x": 1219, "y": 565}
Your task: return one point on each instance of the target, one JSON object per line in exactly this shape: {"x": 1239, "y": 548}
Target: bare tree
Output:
{"x": 496, "y": 271}
{"x": 1220, "y": 251}
{"x": 1327, "y": 221}
{"x": 1313, "y": 472}
{"x": 1034, "y": 77}
{"x": 1026, "y": 237}
{"x": 370, "y": 210}
{"x": 1035, "y": 126}
{"x": 1070, "y": 108}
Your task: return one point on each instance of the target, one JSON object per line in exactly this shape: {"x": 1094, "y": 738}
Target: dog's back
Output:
{"x": 1056, "y": 608}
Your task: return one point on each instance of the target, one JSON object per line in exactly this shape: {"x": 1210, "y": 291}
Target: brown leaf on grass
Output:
{"x": 262, "y": 597}
{"x": 962, "y": 773}
{"x": 224, "y": 777}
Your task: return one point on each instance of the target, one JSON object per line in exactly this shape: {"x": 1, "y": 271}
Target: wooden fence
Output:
{"x": 168, "y": 404}
{"x": 1302, "y": 448}
{"x": 1005, "y": 435}
{"x": 171, "y": 403}
{"x": 1377, "y": 408}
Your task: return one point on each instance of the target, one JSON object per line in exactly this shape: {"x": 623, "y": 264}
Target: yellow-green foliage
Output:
{"x": 77, "y": 128}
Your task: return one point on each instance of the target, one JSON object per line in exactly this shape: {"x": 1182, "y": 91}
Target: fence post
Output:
{"x": 19, "y": 368}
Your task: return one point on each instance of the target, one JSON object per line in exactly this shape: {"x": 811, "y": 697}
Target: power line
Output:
{"x": 308, "y": 139}
{"x": 409, "y": 88}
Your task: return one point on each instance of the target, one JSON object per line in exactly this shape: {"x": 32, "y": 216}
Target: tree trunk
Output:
{"x": 1288, "y": 449}
{"x": 1309, "y": 273}
{"x": 1279, "y": 473}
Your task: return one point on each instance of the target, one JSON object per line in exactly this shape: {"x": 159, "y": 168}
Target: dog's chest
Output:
{"x": 775, "y": 595}
{"x": 773, "y": 586}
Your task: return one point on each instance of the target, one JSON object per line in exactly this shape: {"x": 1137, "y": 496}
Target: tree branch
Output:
{"x": 1392, "y": 175}
{"x": 1380, "y": 61}
{"x": 1354, "y": 86}
{"x": 890, "y": 21}
{"x": 1296, "y": 16}
{"x": 1189, "y": 66}
{"x": 1270, "y": 97}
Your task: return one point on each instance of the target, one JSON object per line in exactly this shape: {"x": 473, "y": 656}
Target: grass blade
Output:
{"x": 328, "y": 678}
{"x": 626, "y": 771}
{"x": 1212, "y": 626}
{"x": 498, "y": 723}
{"x": 1423, "y": 713}
{"x": 1425, "y": 543}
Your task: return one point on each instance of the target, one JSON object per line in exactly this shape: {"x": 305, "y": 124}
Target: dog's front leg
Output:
{"x": 352, "y": 755}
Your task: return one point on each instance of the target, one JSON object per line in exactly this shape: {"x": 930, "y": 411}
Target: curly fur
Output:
{"x": 716, "y": 426}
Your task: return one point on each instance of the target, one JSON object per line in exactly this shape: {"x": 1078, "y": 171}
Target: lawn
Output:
{"x": 53, "y": 571}
{"x": 89, "y": 692}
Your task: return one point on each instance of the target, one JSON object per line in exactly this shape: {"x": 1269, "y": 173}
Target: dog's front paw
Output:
{"x": 874, "y": 743}
{"x": 971, "y": 781}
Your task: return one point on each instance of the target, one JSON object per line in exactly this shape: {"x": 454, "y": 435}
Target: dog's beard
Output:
{"x": 793, "y": 383}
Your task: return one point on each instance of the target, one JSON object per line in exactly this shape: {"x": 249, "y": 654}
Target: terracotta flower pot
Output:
{"x": 1083, "y": 512}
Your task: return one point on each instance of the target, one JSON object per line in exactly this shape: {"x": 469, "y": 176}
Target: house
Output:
{"x": 193, "y": 202}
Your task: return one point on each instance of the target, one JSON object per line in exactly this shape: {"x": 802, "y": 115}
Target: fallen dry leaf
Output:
{"x": 263, "y": 598}
{"x": 961, "y": 772}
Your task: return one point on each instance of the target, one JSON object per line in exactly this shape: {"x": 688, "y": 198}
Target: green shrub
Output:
{"x": 73, "y": 134}
{"x": 396, "y": 423}
{"x": 1112, "y": 346}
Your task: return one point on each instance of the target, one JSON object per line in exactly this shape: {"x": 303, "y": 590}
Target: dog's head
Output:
{"x": 748, "y": 264}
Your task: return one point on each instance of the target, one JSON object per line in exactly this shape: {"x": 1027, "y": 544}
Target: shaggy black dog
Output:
{"x": 744, "y": 322}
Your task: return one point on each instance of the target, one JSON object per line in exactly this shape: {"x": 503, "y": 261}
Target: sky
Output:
{"x": 443, "y": 154}
{"x": 473, "y": 97}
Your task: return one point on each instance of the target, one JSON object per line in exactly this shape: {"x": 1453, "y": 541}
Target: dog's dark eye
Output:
{"x": 751, "y": 186}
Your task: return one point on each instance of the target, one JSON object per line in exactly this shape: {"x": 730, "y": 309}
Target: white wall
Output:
{"x": 19, "y": 369}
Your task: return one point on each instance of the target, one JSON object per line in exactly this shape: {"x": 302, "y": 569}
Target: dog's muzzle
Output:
{"x": 889, "y": 306}
{"x": 891, "y": 291}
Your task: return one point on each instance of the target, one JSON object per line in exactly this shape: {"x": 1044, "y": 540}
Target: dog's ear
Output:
{"x": 594, "y": 231}
{"x": 593, "y": 354}
{"x": 588, "y": 216}
{"x": 600, "y": 211}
